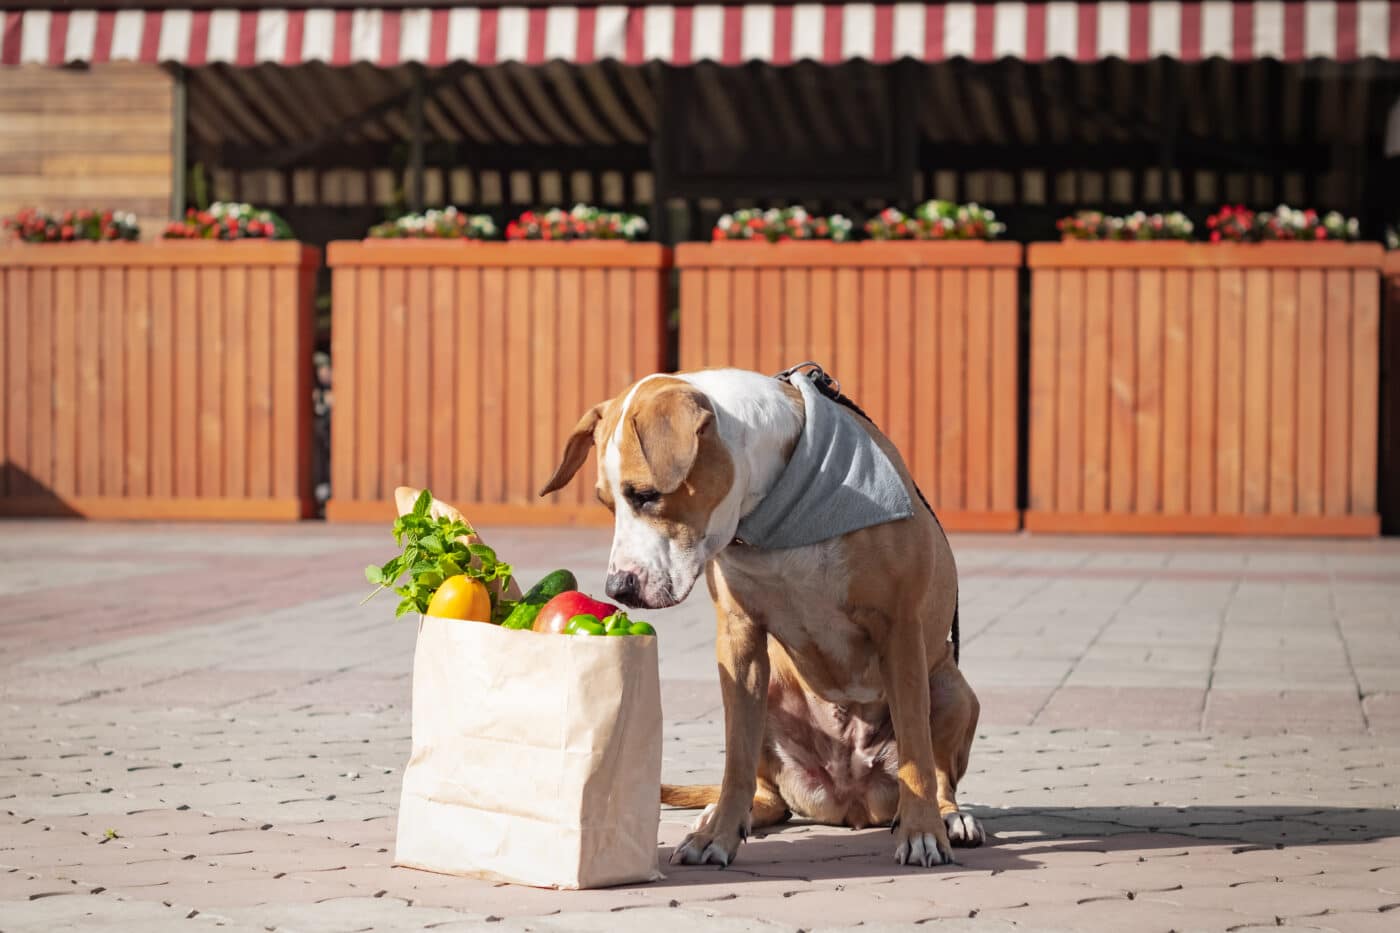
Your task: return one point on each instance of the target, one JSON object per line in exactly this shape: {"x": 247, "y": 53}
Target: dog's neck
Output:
{"x": 759, "y": 423}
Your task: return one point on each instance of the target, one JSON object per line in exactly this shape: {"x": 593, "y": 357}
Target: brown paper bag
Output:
{"x": 536, "y": 758}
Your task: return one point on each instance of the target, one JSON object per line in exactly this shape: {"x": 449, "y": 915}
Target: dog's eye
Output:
{"x": 642, "y": 498}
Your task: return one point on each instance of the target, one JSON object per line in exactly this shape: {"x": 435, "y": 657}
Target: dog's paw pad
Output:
{"x": 693, "y": 851}
{"x": 922, "y": 849}
{"x": 964, "y": 830}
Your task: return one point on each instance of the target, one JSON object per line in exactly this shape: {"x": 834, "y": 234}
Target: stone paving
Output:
{"x": 202, "y": 728}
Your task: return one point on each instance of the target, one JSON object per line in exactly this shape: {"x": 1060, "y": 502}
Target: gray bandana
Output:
{"x": 837, "y": 481}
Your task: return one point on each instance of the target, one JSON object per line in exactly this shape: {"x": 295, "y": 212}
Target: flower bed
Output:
{"x": 922, "y": 335}
{"x": 156, "y": 380}
{"x": 35, "y": 226}
{"x": 463, "y": 368}
{"x": 581, "y": 223}
{"x": 225, "y": 220}
{"x": 1199, "y": 388}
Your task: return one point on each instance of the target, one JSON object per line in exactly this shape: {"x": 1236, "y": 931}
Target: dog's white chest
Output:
{"x": 800, "y": 596}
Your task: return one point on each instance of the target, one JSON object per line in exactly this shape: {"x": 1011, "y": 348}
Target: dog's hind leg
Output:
{"x": 953, "y": 717}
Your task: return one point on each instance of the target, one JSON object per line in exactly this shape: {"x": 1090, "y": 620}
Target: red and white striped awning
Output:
{"x": 1286, "y": 30}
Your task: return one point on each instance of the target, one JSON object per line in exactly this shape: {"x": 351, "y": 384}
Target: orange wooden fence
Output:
{"x": 1195, "y": 388}
{"x": 160, "y": 380}
{"x": 923, "y": 336}
{"x": 1390, "y": 398}
{"x": 462, "y": 367}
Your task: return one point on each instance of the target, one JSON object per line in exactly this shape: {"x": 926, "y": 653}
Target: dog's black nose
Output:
{"x": 622, "y": 585}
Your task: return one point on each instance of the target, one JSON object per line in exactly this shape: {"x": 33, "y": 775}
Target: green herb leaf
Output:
{"x": 485, "y": 554}
{"x": 422, "y": 504}
{"x": 373, "y": 574}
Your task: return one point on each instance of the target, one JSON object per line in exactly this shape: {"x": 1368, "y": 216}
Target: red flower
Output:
{"x": 1215, "y": 237}
{"x": 1320, "y": 233}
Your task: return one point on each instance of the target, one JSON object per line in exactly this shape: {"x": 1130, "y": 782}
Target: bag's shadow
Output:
{"x": 1028, "y": 837}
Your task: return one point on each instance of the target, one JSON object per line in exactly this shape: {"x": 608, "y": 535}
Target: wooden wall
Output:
{"x": 1194, "y": 388}
{"x": 78, "y": 137}
{"x": 922, "y": 336}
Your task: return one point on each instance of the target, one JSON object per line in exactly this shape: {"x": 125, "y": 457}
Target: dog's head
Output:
{"x": 668, "y": 479}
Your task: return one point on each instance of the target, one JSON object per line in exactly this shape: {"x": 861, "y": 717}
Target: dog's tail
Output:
{"x": 689, "y": 796}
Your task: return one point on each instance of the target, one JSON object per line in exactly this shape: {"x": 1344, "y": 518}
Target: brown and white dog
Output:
{"x": 842, "y": 699}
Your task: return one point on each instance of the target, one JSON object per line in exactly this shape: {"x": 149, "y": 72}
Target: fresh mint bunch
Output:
{"x": 435, "y": 548}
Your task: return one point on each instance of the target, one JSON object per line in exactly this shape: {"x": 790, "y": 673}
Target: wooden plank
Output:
{"x": 345, "y": 377}
{"x": 212, "y": 343}
{"x": 1147, "y": 425}
{"x": 1042, "y": 467}
{"x": 720, "y": 346}
{"x": 572, "y": 401}
{"x": 420, "y": 410}
{"x": 1176, "y": 387}
{"x": 164, "y": 388}
{"x": 1365, "y": 390}
{"x": 1311, "y": 362}
{"x": 441, "y": 430}
{"x": 291, "y": 389}
{"x": 1071, "y": 395}
{"x": 40, "y": 393}
{"x": 1097, "y": 389}
{"x": 622, "y": 329}
{"x": 1340, "y": 526}
{"x": 90, "y": 382}
{"x": 648, "y": 324}
{"x": 796, "y": 342}
{"x": 925, "y": 379}
{"x": 5, "y": 276}
{"x": 1166, "y": 255}
{"x": 542, "y": 418}
{"x": 870, "y": 392}
{"x": 952, "y": 428}
{"x": 65, "y": 383}
{"x": 1255, "y": 363}
{"x": 900, "y": 361}
{"x": 514, "y": 456}
{"x": 113, "y": 384}
{"x": 16, "y": 350}
{"x": 1230, "y": 398}
{"x": 692, "y": 319}
{"x": 595, "y": 378}
{"x": 393, "y": 389}
{"x": 1004, "y": 351}
{"x": 1123, "y": 402}
{"x": 470, "y": 362}
{"x": 138, "y": 381}
{"x": 1282, "y": 402}
{"x": 769, "y": 358}
{"x": 978, "y": 375}
{"x": 743, "y": 327}
{"x": 369, "y": 438}
{"x": 496, "y": 307}
{"x": 261, "y": 448}
{"x": 1204, "y": 332}
{"x": 404, "y": 254}
{"x": 846, "y": 358}
{"x": 236, "y": 376}
{"x": 823, "y": 332}
{"x": 1337, "y": 407}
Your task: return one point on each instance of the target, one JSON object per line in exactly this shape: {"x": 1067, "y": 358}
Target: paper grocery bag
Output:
{"x": 536, "y": 758}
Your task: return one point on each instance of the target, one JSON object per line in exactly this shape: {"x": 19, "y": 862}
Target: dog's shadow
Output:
{"x": 1025, "y": 838}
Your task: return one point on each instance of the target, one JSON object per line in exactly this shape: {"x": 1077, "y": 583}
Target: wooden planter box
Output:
{"x": 462, "y": 367}
{"x": 156, "y": 380}
{"x": 1390, "y": 397}
{"x": 923, "y": 336}
{"x": 1208, "y": 389}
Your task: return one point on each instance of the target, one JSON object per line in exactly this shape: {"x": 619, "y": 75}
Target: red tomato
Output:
{"x": 559, "y": 610}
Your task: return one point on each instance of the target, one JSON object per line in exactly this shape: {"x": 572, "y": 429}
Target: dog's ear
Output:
{"x": 669, "y": 434}
{"x": 575, "y": 449}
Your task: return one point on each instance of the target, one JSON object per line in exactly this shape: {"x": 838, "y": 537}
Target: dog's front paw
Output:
{"x": 710, "y": 843}
{"x": 963, "y": 829}
{"x": 922, "y": 846}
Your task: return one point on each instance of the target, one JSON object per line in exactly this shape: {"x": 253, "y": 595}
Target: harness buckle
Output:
{"x": 826, "y": 384}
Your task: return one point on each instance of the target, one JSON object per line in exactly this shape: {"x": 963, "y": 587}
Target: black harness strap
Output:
{"x": 831, "y": 388}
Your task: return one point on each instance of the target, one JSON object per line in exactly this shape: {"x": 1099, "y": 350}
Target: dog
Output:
{"x": 843, "y": 701}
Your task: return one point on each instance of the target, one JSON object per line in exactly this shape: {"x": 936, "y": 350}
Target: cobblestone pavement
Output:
{"x": 202, "y": 728}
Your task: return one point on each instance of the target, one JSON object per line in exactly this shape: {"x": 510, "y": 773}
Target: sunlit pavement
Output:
{"x": 203, "y": 727}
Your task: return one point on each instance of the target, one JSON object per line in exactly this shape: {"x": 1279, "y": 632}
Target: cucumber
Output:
{"x": 550, "y": 586}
